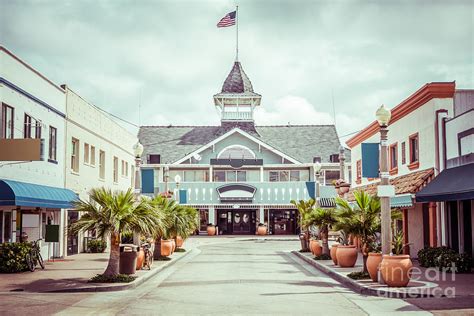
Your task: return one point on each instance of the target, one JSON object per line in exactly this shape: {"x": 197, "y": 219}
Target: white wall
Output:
{"x": 421, "y": 121}
{"x": 90, "y": 125}
{"x": 38, "y": 172}
{"x": 455, "y": 126}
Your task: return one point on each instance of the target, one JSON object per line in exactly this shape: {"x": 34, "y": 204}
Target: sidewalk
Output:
{"x": 424, "y": 283}
{"x": 72, "y": 275}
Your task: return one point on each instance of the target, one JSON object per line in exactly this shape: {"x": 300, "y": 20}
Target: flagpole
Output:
{"x": 237, "y": 33}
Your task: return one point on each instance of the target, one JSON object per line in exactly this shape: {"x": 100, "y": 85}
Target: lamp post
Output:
{"x": 177, "y": 181}
{"x": 383, "y": 116}
{"x": 317, "y": 169}
{"x": 137, "y": 151}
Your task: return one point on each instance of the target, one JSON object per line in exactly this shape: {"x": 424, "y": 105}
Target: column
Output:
{"x": 261, "y": 215}
{"x": 212, "y": 215}
{"x": 14, "y": 226}
{"x": 406, "y": 250}
{"x": 261, "y": 174}
{"x": 432, "y": 224}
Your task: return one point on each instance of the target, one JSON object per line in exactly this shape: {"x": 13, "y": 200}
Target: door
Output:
{"x": 241, "y": 222}
{"x": 72, "y": 240}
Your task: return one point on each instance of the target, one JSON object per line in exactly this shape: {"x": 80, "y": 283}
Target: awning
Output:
{"x": 450, "y": 185}
{"x": 34, "y": 195}
{"x": 402, "y": 200}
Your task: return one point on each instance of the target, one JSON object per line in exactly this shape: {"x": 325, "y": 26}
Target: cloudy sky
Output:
{"x": 302, "y": 56}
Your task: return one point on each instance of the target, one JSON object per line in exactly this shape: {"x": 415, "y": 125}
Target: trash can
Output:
{"x": 128, "y": 259}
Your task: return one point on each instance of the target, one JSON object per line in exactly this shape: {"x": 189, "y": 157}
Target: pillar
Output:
{"x": 14, "y": 226}
{"x": 212, "y": 215}
{"x": 406, "y": 250}
{"x": 261, "y": 216}
{"x": 432, "y": 224}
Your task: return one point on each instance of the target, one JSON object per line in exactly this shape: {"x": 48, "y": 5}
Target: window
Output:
{"x": 403, "y": 154}
{"x": 7, "y": 121}
{"x": 115, "y": 174}
{"x": 132, "y": 176}
{"x": 86, "y": 153}
{"x": 122, "y": 170}
{"x": 52, "y": 143}
{"x": 75, "y": 155}
{"x": 27, "y": 127}
{"x": 154, "y": 158}
{"x": 316, "y": 159}
{"x": 236, "y": 152}
{"x": 393, "y": 151}
{"x": 295, "y": 175}
{"x": 284, "y": 175}
{"x": 414, "y": 151}
{"x": 334, "y": 158}
{"x": 219, "y": 176}
{"x": 288, "y": 175}
{"x": 332, "y": 175}
{"x": 101, "y": 164}
{"x": 359, "y": 171}
{"x": 273, "y": 176}
{"x": 126, "y": 168}
{"x": 5, "y": 226}
{"x": 92, "y": 161}
{"x": 37, "y": 129}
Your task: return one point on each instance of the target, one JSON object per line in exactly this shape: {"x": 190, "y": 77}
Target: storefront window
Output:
{"x": 203, "y": 219}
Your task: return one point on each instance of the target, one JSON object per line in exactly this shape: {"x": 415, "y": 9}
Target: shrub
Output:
{"x": 428, "y": 257}
{"x": 96, "y": 245}
{"x": 12, "y": 257}
{"x": 460, "y": 262}
{"x": 119, "y": 278}
{"x": 359, "y": 275}
{"x": 322, "y": 257}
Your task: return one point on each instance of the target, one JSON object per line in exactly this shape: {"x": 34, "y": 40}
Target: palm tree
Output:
{"x": 304, "y": 208}
{"x": 361, "y": 220}
{"x": 324, "y": 218}
{"x": 112, "y": 213}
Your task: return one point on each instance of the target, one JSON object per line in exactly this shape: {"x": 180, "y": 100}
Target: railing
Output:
{"x": 236, "y": 115}
{"x": 266, "y": 193}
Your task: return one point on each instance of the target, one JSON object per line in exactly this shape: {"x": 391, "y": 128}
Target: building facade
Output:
{"x": 415, "y": 138}
{"x": 32, "y": 194}
{"x": 453, "y": 188}
{"x": 239, "y": 174}
{"x": 99, "y": 153}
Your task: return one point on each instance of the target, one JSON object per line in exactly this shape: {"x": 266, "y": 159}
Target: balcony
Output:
{"x": 237, "y": 116}
{"x": 266, "y": 192}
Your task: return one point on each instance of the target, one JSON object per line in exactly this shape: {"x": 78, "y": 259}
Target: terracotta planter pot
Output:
{"x": 346, "y": 256}
{"x": 373, "y": 262}
{"x": 173, "y": 244}
{"x": 344, "y": 189}
{"x": 179, "y": 242}
{"x": 140, "y": 259}
{"x": 311, "y": 242}
{"x": 396, "y": 270}
{"x": 333, "y": 253}
{"x": 316, "y": 248}
{"x": 262, "y": 230}
{"x": 211, "y": 230}
{"x": 166, "y": 247}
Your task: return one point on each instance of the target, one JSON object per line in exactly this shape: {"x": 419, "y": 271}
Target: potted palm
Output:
{"x": 396, "y": 268}
{"x": 304, "y": 208}
{"x": 324, "y": 218}
{"x": 362, "y": 220}
{"x": 111, "y": 214}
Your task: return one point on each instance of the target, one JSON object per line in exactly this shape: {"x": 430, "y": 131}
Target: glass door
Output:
{"x": 241, "y": 222}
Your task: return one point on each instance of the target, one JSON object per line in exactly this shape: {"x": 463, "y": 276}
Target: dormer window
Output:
{"x": 317, "y": 159}
{"x": 154, "y": 159}
{"x": 236, "y": 152}
{"x": 334, "y": 158}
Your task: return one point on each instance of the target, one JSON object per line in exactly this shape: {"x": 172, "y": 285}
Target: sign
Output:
{"x": 183, "y": 196}
{"x": 52, "y": 233}
{"x": 370, "y": 160}
{"x": 24, "y": 149}
{"x": 385, "y": 190}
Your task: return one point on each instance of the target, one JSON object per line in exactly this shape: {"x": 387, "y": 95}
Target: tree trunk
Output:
{"x": 114, "y": 259}
{"x": 325, "y": 245}
{"x": 306, "y": 240}
{"x": 157, "y": 252}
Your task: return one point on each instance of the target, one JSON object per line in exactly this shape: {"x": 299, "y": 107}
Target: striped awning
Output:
{"x": 327, "y": 202}
{"x": 402, "y": 200}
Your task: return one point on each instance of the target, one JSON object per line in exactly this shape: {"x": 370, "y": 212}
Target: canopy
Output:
{"x": 402, "y": 200}
{"x": 450, "y": 185}
{"x": 34, "y": 195}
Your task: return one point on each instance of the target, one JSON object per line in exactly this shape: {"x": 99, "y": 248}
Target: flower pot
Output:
{"x": 211, "y": 230}
{"x": 166, "y": 247}
{"x": 346, "y": 256}
{"x": 173, "y": 245}
{"x": 344, "y": 189}
{"x": 333, "y": 253}
{"x": 315, "y": 247}
{"x": 262, "y": 230}
{"x": 179, "y": 241}
{"x": 373, "y": 262}
{"x": 140, "y": 258}
{"x": 396, "y": 270}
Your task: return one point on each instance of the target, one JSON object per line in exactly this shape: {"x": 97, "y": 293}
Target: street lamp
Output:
{"x": 177, "y": 181}
{"x": 383, "y": 116}
{"x": 317, "y": 169}
{"x": 137, "y": 151}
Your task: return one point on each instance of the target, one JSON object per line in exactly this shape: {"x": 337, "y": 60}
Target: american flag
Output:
{"x": 228, "y": 20}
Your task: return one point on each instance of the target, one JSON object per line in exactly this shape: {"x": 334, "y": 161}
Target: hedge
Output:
{"x": 12, "y": 257}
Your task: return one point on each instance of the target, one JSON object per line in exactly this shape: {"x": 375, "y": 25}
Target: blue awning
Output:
{"x": 34, "y": 195}
{"x": 402, "y": 200}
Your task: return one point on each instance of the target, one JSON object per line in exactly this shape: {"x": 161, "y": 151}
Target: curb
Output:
{"x": 360, "y": 288}
{"x": 123, "y": 287}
